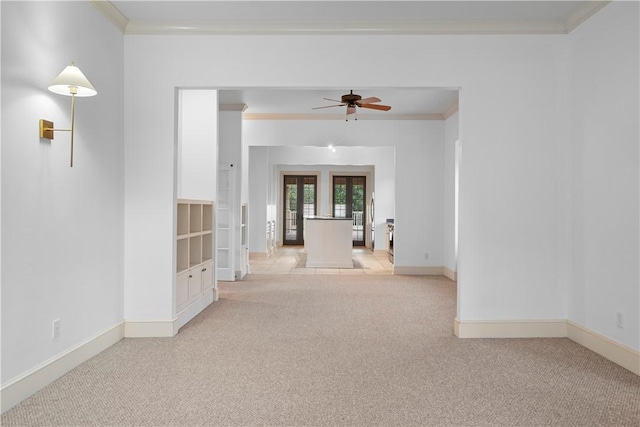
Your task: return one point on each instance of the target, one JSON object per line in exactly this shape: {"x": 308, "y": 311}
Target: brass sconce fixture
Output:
{"x": 70, "y": 82}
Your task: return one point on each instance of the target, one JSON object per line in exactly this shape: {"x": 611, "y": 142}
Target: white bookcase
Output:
{"x": 225, "y": 225}
{"x": 231, "y": 228}
{"x": 243, "y": 253}
{"x": 194, "y": 251}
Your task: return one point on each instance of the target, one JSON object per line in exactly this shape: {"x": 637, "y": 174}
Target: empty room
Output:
{"x": 320, "y": 213}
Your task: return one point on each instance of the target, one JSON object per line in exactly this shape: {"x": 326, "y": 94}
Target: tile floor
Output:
{"x": 290, "y": 260}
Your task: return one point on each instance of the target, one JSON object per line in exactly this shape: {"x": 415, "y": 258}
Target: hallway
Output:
{"x": 291, "y": 260}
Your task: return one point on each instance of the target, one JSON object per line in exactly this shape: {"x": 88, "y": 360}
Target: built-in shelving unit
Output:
{"x": 224, "y": 225}
{"x": 194, "y": 251}
{"x": 271, "y": 238}
{"x": 243, "y": 225}
{"x": 243, "y": 256}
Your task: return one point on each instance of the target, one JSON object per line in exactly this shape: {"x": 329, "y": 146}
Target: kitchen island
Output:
{"x": 328, "y": 242}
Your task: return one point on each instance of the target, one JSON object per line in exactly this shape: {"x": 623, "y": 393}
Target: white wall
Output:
{"x": 510, "y": 86}
{"x": 258, "y": 198}
{"x": 412, "y": 193}
{"x": 62, "y": 227}
{"x": 510, "y": 131}
{"x": 197, "y": 148}
{"x": 604, "y": 211}
{"x": 449, "y": 243}
{"x": 150, "y": 189}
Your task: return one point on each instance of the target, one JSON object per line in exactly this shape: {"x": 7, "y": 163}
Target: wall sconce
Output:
{"x": 70, "y": 82}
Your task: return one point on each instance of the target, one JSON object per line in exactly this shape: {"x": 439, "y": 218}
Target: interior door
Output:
{"x": 300, "y": 202}
{"x": 349, "y": 194}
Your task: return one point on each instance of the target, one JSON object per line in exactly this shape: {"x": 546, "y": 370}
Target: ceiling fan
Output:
{"x": 353, "y": 101}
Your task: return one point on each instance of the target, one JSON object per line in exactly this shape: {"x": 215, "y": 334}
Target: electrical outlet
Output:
{"x": 619, "y": 320}
{"x": 55, "y": 330}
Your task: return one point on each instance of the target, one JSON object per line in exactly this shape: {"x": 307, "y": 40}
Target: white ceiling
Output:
{"x": 361, "y": 10}
{"x": 264, "y": 17}
{"x": 417, "y": 103}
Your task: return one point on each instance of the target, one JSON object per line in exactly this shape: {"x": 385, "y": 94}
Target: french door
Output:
{"x": 300, "y": 202}
{"x": 349, "y": 194}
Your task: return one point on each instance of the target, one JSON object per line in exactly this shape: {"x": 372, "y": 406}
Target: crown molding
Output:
{"x": 112, "y": 14}
{"x": 307, "y": 27}
{"x": 583, "y": 12}
{"x": 270, "y": 116}
{"x": 320, "y": 27}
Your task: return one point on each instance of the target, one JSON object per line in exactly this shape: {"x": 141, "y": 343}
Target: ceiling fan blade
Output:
{"x": 333, "y": 100}
{"x": 376, "y": 107}
{"x": 329, "y": 106}
{"x": 368, "y": 100}
{"x": 351, "y": 110}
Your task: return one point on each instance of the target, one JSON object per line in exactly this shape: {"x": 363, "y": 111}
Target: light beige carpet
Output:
{"x": 302, "y": 261}
{"x": 336, "y": 350}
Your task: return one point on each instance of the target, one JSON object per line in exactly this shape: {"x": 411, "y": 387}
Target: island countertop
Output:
{"x": 328, "y": 242}
{"x": 328, "y": 218}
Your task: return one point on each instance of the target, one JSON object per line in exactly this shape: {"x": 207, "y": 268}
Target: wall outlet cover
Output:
{"x": 55, "y": 332}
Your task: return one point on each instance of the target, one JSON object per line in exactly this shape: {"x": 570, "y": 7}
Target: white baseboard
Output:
{"x": 149, "y": 328}
{"x": 618, "y": 353}
{"x": 18, "y": 389}
{"x": 621, "y": 354}
{"x": 418, "y": 271}
{"x": 450, "y": 274}
{"x": 32, "y": 381}
{"x": 192, "y": 311}
{"x": 511, "y": 328}
{"x": 169, "y": 328}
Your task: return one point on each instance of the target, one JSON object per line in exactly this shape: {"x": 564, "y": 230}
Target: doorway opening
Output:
{"x": 349, "y": 201}
{"x": 300, "y": 202}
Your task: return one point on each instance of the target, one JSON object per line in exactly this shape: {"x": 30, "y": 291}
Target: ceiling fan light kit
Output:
{"x": 353, "y": 101}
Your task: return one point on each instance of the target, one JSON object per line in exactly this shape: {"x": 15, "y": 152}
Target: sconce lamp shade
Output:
{"x": 71, "y": 77}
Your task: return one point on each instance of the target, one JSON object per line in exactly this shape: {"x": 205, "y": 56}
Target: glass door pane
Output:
{"x": 290, "y": 209}
{"x": 340, "y": 197}
{"x": 299, "y": 203}
{"x": 349, "y": 201}
{"x": 309, "y": 196}
{"x": 357, "y": 209}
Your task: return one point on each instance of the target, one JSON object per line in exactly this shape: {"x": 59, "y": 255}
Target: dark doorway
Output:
{"x": 300, "y": 201}
{"x": 349, "y": 193}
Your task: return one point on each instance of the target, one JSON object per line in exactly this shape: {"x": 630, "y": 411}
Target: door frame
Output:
{"x": 368, "y": 182}
{"x": 366, "y": 209}
{"x": 280, "y": 198}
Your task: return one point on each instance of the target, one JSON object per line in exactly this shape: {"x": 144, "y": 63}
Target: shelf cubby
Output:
{"x": 182, "y": 254}
{"x": 224, "y": 218}
{"x": 195, "y": 250}
{"x": 223, "y": 258}
{"x": 195, "y": 218}
{"x": 207, "y": 246}
{"x": 224, "y": 239}
{"x": 183, "y": 219}
{"x": 207, "y": 217}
